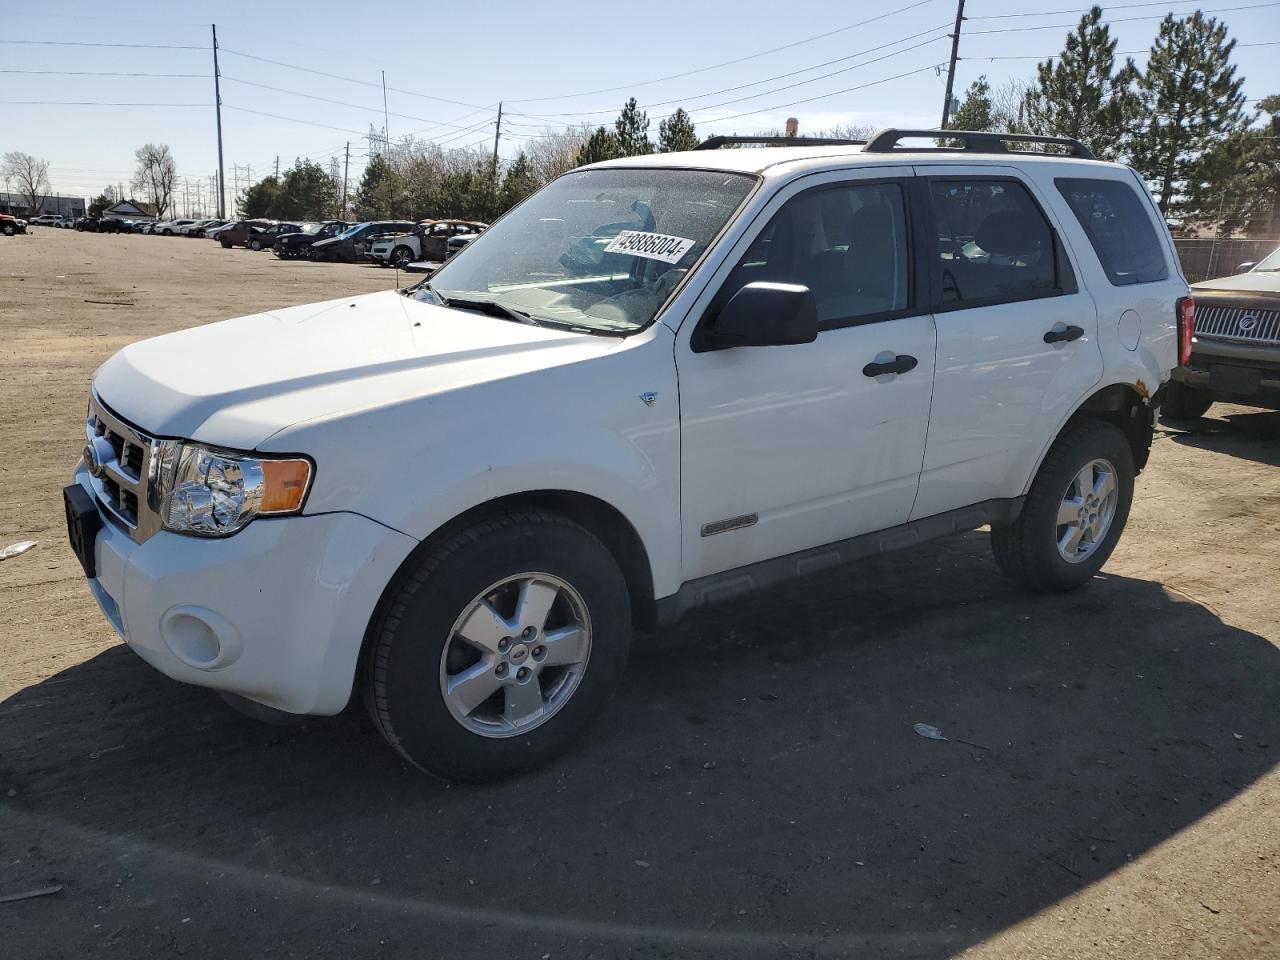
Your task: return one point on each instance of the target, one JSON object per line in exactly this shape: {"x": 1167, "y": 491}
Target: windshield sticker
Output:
{"x": 653, "y": 246}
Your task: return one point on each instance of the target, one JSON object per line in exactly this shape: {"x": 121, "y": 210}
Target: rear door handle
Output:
{"x": 1065, "y": 334}
{"x": 899, "y": 364}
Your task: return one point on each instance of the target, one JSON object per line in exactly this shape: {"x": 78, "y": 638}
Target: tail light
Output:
{"x": 1186, "y": 329}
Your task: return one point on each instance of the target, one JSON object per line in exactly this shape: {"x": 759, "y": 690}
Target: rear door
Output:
{"x": 1017, "y": 334}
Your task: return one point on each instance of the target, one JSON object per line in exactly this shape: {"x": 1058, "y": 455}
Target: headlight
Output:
{"x": 213, "y": 493}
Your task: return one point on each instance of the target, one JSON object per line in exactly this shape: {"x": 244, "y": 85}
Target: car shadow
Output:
{"x": 1247, "y": 434}
{"x": 756, "y": 789}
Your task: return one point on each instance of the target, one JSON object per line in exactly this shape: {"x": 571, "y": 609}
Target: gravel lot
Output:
{"x": 756, "y": 790}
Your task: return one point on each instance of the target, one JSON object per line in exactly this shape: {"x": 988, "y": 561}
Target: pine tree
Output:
{"x": 518, "y": 183}
{"x": 1247, "y": 177}
{"x": 632, "y": 128}
{"x": 601, "y": 145}
{"x": 1082, "y": 95}
{"x": 975, "y": 111}
{"x": 676, "y": 133}
{"x": 373, "y": 196}
{"x": 1190, "y": 99}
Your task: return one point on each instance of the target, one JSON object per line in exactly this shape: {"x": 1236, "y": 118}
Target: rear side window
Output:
{"x": 1118, "y": 225}
{"x": 994, "y": 244}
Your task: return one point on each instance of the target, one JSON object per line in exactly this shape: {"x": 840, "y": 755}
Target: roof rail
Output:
{"x": 973, "y": 141}
{"x": 715, "y": 143}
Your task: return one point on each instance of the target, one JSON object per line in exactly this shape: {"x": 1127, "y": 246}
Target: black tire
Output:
{"x": 255, "y": 245}
{"x": 400, "y": 257}
{"x": 226, "y": 244}
{"x": 408, "y": 642}
{"x": 1182, "y": 402}
{"x": 1027, "y": 549}
{"x": 168, "y": 233}
{"x": 9, "y": 229}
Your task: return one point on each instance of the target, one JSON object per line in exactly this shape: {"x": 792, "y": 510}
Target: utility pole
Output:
{"x": 386, "y": 122}
{"x": 346, "y": 166}
{"x": 217, "y": 96}
{"x": 951, "y": 70}
{"x": 277, "y": 166}
{"x": 497, "y": 133}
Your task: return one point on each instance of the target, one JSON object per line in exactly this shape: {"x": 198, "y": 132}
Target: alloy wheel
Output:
{"x": 1087, "y": 509}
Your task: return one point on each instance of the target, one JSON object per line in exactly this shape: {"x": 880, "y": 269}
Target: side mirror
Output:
{"x": 1246, "y": 267}
{"x": 764, "y": 315}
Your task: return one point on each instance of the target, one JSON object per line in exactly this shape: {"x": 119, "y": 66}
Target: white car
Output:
{"x": 171, "y": 228}
{"x": 45, "y": 220}
{"x": 659, "y": 382}
{"x": 212, "y": 232}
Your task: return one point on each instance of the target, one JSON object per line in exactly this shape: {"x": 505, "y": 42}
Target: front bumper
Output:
{"x": 275, "y": 613}
{"x": 1244, "y": 372}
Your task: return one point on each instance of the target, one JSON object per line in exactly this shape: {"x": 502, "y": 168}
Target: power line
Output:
{"x": 1118, "y": 53}
{"x": 1109, "y": 7}
{"x": 1069, "y": 26}
{"x": 277, "y": 116}
{"x": 727, "y": 63}
{"x": 340, "y": 103}
{"x": 781, "y": 76}
{"x": 335, "y": 76}
{"x": 85, "y": 43}
{"x": 94, "y": 73}
{"x": 95, "y": 103}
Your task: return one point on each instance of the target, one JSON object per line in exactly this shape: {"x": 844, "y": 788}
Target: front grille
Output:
{"x": 1242, "y": 324}
{"x": 121, "y": 480}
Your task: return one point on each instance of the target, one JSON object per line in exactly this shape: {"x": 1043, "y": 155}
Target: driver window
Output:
{"x": 847, "y": 244}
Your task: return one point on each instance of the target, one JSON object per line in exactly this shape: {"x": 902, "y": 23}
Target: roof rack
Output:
{"x": 715, "y": 143}
{"x": 972, "y": 141}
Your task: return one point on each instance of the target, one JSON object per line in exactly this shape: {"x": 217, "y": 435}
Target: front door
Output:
{"x": 789, "y": 447}
{"x": 1017, "y": 336}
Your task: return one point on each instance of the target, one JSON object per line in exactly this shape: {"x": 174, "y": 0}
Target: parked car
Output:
{"x": 171, "y": 228}
{"x": 457, "y": 242}
{"x": 212, "y": 233}
{"x": 87, "y": 224}
{"x": 263, "y": 238}
{"x": 10, "y": 225}
{"x": 1235, "y": 355}
{"x": 45, "y": 220}
{"x": 65, "y": 223}
{"x": 659, "y": 382}
{"x": 350, "y": 245}
{"x": 289, "y": 246}
{"x": 427, "y": 240}
{"x": 237, "y": 235}
{"x": 201, "y": 227}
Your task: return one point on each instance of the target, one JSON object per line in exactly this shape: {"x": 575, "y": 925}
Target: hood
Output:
{"x": 1255, "y": 281}
{"x": 236, "y": 383}
{"x": 327, "y": 240}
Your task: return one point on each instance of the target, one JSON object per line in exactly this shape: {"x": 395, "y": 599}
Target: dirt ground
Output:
{"x": 756, "y": 789}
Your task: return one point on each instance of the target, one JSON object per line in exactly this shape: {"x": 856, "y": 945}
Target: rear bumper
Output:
{"x": 1245, "y": 372}
{"x": 276, "y": 613}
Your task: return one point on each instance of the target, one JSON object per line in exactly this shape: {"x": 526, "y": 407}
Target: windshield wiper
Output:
{"x": 492, "y": 307}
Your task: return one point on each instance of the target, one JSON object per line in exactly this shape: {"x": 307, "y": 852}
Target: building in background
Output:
{"x": 57, "y": 204}
{"x": 130, "y": 210}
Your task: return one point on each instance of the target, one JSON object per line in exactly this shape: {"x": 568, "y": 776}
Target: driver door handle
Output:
{"x": 899, "y": 364}
{"x": 1066, "y": 334}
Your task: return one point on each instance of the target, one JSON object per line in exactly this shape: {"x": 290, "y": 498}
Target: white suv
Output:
{"x": 658, "y": 382}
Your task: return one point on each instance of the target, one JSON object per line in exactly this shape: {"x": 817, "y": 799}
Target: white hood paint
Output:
{"x": 236, "y": 383}
{"x": 1261, "y": 281}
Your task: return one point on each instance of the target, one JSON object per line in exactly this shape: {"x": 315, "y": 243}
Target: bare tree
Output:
{"x": 553, "y": 152}
{"x": 31, "y": 175}
{"x": 156, "y": 175}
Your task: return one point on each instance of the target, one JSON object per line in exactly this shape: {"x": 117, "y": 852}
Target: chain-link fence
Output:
{"x": 1203, "y": 259}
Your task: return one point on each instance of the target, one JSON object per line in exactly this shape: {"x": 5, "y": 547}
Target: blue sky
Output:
{"x": 551, "y": 62}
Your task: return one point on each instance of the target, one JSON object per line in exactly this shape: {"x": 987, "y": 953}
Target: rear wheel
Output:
{"x": 401, "y": 257}
{"x": 1183, "y": 402}
{"x": 226, "y": 244}
{"x": 499, "y": 646}
{"x": 9, "y": 230}
{"x": 1074, "y": 513}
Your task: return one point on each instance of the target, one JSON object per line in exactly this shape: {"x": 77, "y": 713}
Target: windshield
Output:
{"x": 597, "y": 249}
{"x": 351, "y": 230}
{"x": 1270, "y": 262}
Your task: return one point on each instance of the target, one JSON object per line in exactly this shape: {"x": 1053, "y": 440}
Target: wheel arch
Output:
{"x": 1125, "y": 405}
{"x": 603, "y": 520}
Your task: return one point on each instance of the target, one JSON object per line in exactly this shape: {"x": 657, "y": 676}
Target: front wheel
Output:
{"x": 255, "y": 245}
{"x": 1074, "y": 513}
{"x": 9, "y": 230}
{"x": 401, "y": 257}
{"x": 498, "y": 647}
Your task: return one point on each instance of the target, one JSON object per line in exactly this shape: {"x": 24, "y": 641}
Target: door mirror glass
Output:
{"x": 764, "y": 314}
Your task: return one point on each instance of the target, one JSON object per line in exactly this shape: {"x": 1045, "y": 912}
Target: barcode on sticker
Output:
{"x": 654, "y": 246}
